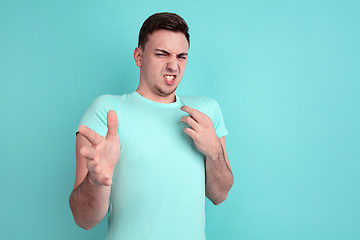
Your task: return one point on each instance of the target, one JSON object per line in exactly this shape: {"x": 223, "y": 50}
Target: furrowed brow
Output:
{"x": 162, "y": 50}
{"x": 182, "y": 54}
{"x": 166, "y": 52}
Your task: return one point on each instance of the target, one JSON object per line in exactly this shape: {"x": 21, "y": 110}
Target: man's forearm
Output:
{"x": 219, "y": 178}
{"x": 89, "y": 203}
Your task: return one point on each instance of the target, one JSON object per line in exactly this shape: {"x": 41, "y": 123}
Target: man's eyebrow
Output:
{"x": 164, "y": 51}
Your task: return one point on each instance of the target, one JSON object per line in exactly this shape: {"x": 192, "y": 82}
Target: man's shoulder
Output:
{"x": 112, "y": 98}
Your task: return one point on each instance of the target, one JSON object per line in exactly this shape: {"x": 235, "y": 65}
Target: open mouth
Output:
{"x": 170, "y": 79}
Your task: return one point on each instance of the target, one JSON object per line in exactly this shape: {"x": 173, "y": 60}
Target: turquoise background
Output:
{"x": 286, "y": 74}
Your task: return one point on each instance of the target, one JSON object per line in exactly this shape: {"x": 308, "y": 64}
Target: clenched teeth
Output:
{"x": 169, "y": 77}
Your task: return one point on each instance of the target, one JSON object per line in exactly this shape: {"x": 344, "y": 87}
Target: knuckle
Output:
{"x": 207, "y": 118}
{"x": 208, "y": 122}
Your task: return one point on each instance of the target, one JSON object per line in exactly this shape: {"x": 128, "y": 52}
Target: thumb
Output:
{"x": 112, "y": 124}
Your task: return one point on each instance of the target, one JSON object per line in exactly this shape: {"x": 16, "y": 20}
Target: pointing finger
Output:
{"x": 195, "y": 114}
{"x": 187, "y": 109}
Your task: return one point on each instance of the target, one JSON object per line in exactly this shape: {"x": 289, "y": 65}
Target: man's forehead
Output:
{"x": 174, "y": 42}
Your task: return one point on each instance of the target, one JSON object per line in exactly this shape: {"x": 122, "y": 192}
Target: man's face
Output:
{"x": 162, "y": 64}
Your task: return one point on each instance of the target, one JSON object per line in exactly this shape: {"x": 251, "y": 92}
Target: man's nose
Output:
{"x": 172, "y": 63}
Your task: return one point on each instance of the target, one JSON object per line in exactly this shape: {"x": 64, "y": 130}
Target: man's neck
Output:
{"x": 158, "y": 98}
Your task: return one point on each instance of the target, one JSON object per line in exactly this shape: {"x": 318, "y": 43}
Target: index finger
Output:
{"x": 195, "y": 114}
{"x": 93, "y": 137}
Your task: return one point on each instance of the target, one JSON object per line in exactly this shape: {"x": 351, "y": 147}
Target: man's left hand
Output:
{"x": 202, "y": 132}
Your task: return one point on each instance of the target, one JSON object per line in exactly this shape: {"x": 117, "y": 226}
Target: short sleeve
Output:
{"x": 95, "y": 117}
{"x": 216, "y": 117}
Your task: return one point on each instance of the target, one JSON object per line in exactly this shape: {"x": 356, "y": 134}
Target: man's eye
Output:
{"x": 182, "y": 57}
{"x": 160, "y": 54}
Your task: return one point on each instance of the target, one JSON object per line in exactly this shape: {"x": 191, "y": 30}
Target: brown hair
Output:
{"x": 164, "y": 20}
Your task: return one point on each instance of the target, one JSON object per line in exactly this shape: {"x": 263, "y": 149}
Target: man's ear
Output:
{"x": 138, "y": 56}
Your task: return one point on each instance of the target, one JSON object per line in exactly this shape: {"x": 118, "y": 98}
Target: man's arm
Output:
{"x": 219, "y": 177}
{"x": 96, "y": 158}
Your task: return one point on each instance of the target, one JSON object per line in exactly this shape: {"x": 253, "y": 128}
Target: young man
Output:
{"x": 150, "y": 157}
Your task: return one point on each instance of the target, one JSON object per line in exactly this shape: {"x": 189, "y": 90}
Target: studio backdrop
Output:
{"x": 285, "y": 73}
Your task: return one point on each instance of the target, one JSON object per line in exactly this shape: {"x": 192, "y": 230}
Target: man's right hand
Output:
{"x": 102, "y": 156}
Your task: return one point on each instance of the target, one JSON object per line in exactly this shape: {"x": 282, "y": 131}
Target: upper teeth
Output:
{"x": 170, "y": 78}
